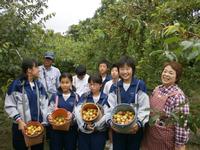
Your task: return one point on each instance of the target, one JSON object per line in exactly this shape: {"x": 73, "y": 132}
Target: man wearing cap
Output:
{"x": 49, "y": 75}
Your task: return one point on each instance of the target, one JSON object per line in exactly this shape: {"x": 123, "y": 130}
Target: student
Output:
{"x": 80, "y": 80}
{"x": 107, "y": 89}
{"x": 103, "y": 67}
{"x": 131, "y": 91}
{"x": 64, "y": 98}
{"x": 115, "y": 78}
{"x": 93, "y": 136}
{"x": 26, "y": 100}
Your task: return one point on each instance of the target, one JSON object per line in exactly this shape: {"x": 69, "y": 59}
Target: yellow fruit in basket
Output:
{"x": 123, "y": 117}
{"x": 33, "y": 130}
{"x": 89, "y": 114}
{"x": 59, "y": 120}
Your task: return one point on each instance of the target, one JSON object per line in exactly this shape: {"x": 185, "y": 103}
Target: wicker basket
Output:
{"x": 91, "y": 106}
{"x": 31, "y": 140}
{"x": 123, "y": 128}
{"x": 67, "y": 122}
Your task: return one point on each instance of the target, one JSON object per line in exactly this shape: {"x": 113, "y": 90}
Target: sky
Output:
{"x": 69, "y": 12}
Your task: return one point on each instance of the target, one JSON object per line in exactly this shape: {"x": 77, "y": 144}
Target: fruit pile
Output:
{"x": 59, "y": 120}
{"x": 33, "y": 130}
{"x": 123, "y": 117}
{"x": 89, "y": 114}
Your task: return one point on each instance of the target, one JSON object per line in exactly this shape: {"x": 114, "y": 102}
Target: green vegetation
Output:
{"x": 152, "y": 31}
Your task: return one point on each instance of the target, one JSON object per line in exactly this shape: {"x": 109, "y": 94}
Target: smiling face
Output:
{"x": 126, "y": 73}
{"x": 65, "y": 84}
{"x": 168, "y": 76}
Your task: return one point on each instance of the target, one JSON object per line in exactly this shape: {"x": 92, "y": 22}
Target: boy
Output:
{"x": 103, "y": 67}
{"x": 80, "y": 80}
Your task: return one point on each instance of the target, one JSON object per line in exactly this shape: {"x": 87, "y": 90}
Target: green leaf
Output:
{"x": 172, "y": 40}
{"x": 186, "y": 44}
{"x": 193, "y": 55}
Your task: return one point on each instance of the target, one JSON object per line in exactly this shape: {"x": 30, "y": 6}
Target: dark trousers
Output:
{"x": 18, "y": 140}
{"x": 93, "y": 141}
{"x": 127, "y": 141}
{"x": 64, "y": 140}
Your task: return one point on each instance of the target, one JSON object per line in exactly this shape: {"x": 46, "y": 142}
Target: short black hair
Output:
{"x": 80, "y": 70}
{"x": 96, "y": 78}
{"x": 28, "y": 63}
{"x": 69, "y": 76}
{"x": 127, "y": 60}
{"x": 104, "y": 61}
{"x": 114, "y": 66}
{"x": 66, "y": 75}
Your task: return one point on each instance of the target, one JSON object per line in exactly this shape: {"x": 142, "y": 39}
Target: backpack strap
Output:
{"x": 136, "y": 105}
{"x": 38, "y": 100}
{"x": 56, "y": 102}
{"x": 136, "y": 92}
{"x": 119, "y": 100}
{"x": 23, "y": 101}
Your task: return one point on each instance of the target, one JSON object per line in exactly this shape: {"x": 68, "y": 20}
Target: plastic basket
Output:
{"x": 123, "y": 128}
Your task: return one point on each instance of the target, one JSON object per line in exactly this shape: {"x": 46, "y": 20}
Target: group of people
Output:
{"x": 41, "y": 89}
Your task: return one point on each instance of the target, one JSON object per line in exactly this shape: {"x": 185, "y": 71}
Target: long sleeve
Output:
{"x": 143, "y": 108}
{"x": 182, "y": 132}
{"x": 44, "y": 108}
{"x": 176, "y": 103}
{"x": 100, "y": 125}
{"x": 11, "y": 106}
{"x": 57, "y": 78}
{"x": 112, "y": 101}
{"x": 51, "y": 106}
{"x": 79, "y": 119}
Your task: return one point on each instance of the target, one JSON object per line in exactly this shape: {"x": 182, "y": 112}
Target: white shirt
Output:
{"x": 66, "y": 96}
{"x": 32, "y": 84}
{"x": 82, "y": 85}
{"x": 107, "y": 87}
{"x": 126, "y": 86}
{"x": 50, "y": 78}
{"x": 103, "y": 78}
{"x": 96, "y": 98}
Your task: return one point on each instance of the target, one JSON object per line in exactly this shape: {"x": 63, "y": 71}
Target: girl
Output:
{"x": 115, "y": 78}
{"x": 26, "y": 100}
{"x": 108, "y": 88}
{"x": 93, "y": 136}
{"x": 129, "y": 90}
{"x": 66, "y": 99}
